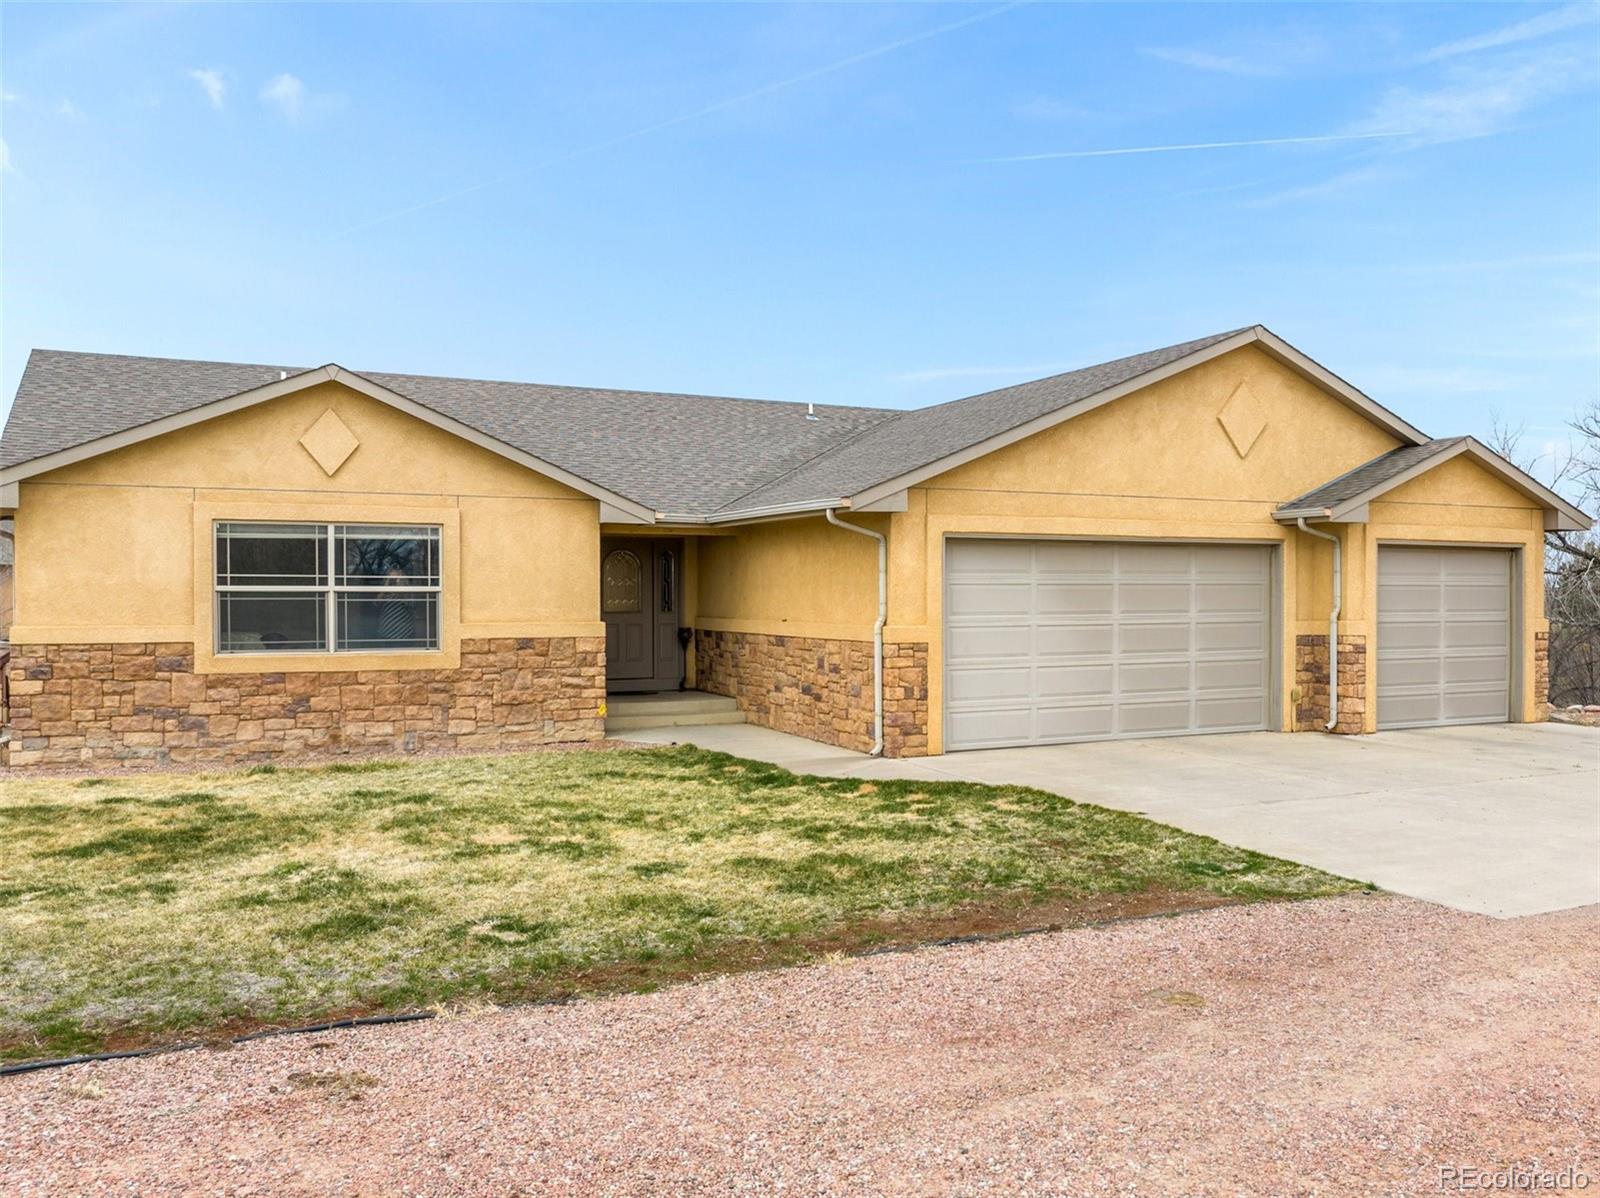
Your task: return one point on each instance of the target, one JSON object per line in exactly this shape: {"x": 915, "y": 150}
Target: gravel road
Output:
{"x": 1342, "y": 1046}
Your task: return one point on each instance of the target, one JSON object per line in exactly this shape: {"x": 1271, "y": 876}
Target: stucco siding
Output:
{"x": 110, "y": 550}
{"x": 1161, "y": 464}
{"x": 799, "y": 577}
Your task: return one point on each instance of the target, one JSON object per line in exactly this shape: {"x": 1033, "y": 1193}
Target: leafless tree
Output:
{"x": 1572, "y": 559}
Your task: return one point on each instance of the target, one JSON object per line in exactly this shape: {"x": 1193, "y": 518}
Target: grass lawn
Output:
{"x": 155, "y": 907}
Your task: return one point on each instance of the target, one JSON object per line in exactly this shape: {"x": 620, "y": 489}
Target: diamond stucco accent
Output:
{"x": 329, "y": 442}
{"x": 1243, "y": 418}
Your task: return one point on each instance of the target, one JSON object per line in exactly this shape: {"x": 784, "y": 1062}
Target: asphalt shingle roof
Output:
{"x": 678, "y": 453}
{"x": 1370, "y": 474}
{"x": 924, "y": 435}
{"x": 682, "y": 454}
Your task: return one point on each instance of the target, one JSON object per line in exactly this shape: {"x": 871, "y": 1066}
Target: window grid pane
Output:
{"x": 386, "y": 555}
{"x": 268, "y": 622}
{"x": 272, "y": 555}
{"x": 280, "y": 585}
{"x": 388, "y": 619}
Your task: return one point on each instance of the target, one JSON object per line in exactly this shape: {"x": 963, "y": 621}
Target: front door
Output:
{"x": 639, "y": 602}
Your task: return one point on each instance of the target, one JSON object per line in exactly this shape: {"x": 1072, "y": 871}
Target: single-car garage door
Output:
{"x": 1444, "y": 636}
{"x": 1054, "y": 641}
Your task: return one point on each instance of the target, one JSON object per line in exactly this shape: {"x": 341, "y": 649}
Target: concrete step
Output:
{"x": 669, "y": 709}
{"x": 631, "y": 723}
{"x": 669, "y": 703}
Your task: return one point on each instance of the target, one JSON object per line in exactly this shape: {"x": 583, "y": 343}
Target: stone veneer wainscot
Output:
{"x": 143, "y": 703}
{"x": 1541, "y": 673}
{"x": 820, "y": 688}
{"x": 1311, "y": 681}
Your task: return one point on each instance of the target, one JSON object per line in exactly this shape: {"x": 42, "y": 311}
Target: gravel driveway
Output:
{"x": 1348, "y": 1045}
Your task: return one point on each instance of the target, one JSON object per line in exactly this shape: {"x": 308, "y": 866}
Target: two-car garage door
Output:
{"x": 1054, "y": 641}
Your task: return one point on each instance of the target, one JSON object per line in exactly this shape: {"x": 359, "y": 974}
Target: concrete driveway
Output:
{"x": 1502, "y": 819}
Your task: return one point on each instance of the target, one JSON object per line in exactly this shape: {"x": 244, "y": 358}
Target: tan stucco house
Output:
{"x": 221, "y": 562}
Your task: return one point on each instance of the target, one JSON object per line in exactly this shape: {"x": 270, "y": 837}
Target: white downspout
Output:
{"x": 877, "y": 627}
{"x": 1333, "y": 624}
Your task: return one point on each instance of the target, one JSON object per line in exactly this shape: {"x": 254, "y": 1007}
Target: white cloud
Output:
{"x": 1542, "y": 25}
{"x": 68, "y": 109}
{"x": 1205, "y": 60}
{"x": 212, "y": 83}
{"x": 10, "y": 97}
{"x": 1477, "y": 101}
{"x": 287, "y": 92}
{"x": 5, "y": 155}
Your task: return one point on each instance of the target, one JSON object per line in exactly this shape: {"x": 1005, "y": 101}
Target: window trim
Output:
{"x": 330, "y": 589}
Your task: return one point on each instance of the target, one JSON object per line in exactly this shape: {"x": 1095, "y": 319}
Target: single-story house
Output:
{"x": 221, "y": 562}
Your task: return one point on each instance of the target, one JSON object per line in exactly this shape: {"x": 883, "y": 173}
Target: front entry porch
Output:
{"x": 641, "y": 598}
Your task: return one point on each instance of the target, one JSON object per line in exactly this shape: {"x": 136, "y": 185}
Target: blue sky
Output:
{"x": 889, "y": 205}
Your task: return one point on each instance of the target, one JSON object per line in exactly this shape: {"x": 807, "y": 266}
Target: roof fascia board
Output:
{"x": 166, "y": 424}
{"x": 1575, "y": 519}
{"x": 1417, "y": 470}
{"x": 1256, "y": 335}
{"x": 1039, "y": 424}
{"x": 300, "y": 382}
{"x": 1554, "y": 505}
{"x": 467, "y": 433}
{"x": 747, "y": 515}
{"x": 1332, "y": 383}
{"x": 1559, "y": 514}
{"x": 611, "y": 514}
{"x": 899, "y": 501}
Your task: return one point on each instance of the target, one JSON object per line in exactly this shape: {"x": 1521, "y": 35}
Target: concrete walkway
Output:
{"x": 1502, "y": 819}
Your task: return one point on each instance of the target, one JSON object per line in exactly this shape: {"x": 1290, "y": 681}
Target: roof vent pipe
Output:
{"x": 811, "y": 411}
{"x": 1333, "y": 625}
{"x": 877, "y": 627}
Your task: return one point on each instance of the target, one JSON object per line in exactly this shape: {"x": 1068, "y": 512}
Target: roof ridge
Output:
{"x": 1048, "y": 378}
{"x": 1193, "y": 345}
{"x": 95, "y": 353}
{"x": 455, "y": 378}
{"x": 792, "y": 403}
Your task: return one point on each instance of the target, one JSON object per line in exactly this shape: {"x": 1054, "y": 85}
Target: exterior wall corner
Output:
{"x": 1312, "y": 682}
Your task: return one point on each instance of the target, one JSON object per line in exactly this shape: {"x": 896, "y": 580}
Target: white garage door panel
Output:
{"x": 1053, "y": 641}
{"x": 1069, "y": 723}
{"x": 1444, "y": 636}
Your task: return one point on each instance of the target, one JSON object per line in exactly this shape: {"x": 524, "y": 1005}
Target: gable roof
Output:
{"x": 1345, "y": 498}
{"x": 922, "y": 436}
{"x": 919, "y": 444}
{"x": 660, "y": 451}
{"x": 653, "y": 455}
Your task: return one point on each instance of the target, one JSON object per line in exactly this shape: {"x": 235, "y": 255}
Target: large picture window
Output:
{"x": 320, "y": 588}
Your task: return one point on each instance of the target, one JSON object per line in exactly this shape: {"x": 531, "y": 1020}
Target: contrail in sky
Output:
{"x": 696, "y": 114}
{"x": 1201, "y": 145}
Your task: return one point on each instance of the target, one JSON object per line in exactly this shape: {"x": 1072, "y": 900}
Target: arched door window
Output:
{"x": 621, "y": 583}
